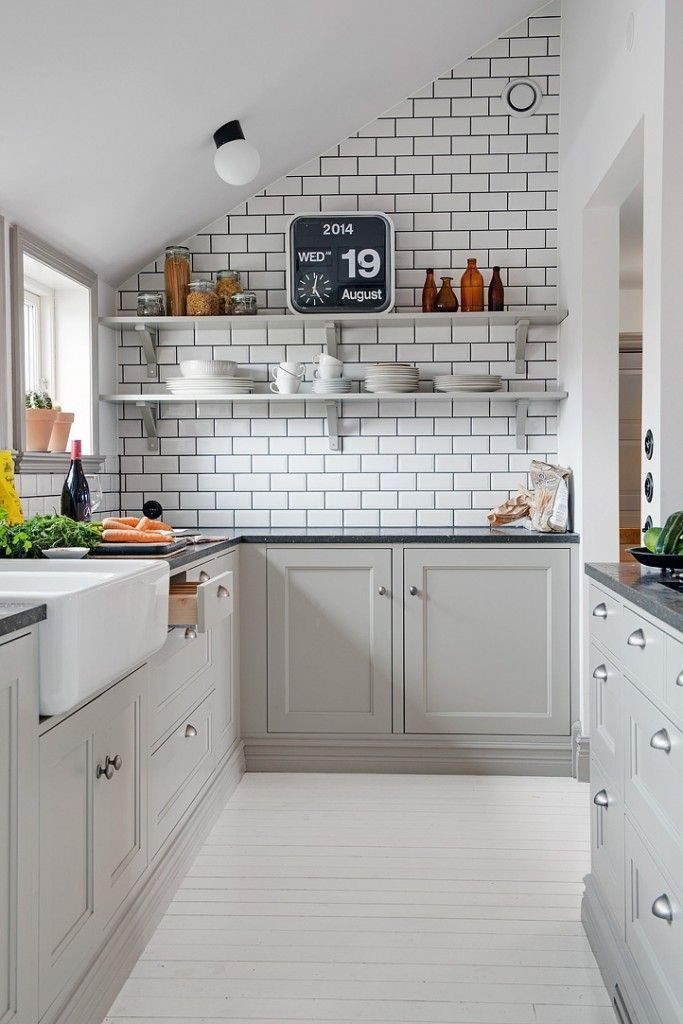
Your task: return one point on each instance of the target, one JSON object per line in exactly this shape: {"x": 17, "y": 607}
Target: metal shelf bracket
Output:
{"x": 149, "y": 337}
{"x": 332, "y": 412}
{"x": 150, "y": 424}
{"x": 332, "y": 338}
{"x": 521, "y": 410}
{"x": 521, "y": 335}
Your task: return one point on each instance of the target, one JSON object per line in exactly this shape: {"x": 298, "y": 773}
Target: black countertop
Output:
{"x": 642, "y": 587}
{"x": 15, "y": 615}
{"x": 324, "y": 535}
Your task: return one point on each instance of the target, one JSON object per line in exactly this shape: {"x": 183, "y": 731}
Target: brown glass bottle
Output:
{"x": 472, "y": 289}
{"x": 446, "y": 300}
{"x": 496, "y": 292}
{"x": 429, "y": 292}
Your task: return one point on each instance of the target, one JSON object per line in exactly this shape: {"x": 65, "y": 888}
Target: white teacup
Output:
{"x": 329, "y": 371}
{"x": 291, "y": 369}
{"x": 325, "y": 357}
{"x": 285, "y": 383}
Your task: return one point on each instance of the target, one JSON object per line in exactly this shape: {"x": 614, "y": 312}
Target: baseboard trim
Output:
{"x": 91, "y": 997}
{"x": 617, "y": 966}
{"x": 442, "y": 755}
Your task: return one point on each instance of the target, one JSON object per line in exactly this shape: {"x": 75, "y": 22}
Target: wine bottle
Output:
{"x": 75, "y": 492}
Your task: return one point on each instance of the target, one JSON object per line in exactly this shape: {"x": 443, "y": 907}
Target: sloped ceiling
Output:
{"x": 107, "y": 109}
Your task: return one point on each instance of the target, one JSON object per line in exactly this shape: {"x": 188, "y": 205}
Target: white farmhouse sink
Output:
{"x": 104, "y": 618}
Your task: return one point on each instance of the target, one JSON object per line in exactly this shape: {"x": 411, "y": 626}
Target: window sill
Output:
{"x": 54, "y": 462}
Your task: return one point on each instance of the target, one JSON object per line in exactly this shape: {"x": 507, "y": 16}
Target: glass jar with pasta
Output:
{"x": 227, "y": 284}
{"x": 177, "y": 279}
{"x": 202, "y": 299}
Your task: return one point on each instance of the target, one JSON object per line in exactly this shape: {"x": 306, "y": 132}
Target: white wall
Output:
{"x": 620, "y": 115}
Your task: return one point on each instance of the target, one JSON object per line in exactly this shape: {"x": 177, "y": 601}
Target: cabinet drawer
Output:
{"x": 179, "y": 677}
{"x": 210, "y": 569}
{"x": 654, "y": 928}
{"x": 607, "y": 839}
{"x": 605, "y": 618}
{"x": 654, "y": 778}
{"x": 203, "y": 605}
{"x": 606, "y": 687}
{"x": 673, "y": 678}
{"x": 179, "y": 769}
{"x": 642, "y": 652}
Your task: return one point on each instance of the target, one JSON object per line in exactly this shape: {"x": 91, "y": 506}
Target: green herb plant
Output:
{"x": 38, "y": 534}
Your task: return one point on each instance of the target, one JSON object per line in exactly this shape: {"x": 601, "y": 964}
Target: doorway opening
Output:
{"x": 630, "y": 369}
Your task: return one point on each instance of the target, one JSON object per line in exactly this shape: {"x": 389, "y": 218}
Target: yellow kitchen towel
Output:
{"x": 9, "y": 499}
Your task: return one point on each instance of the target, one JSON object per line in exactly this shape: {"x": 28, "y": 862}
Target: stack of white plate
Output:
{"x": 391, "y": 377}
{"x": 468, "y": 382}
{"x": 210, "y": 387}
{"x": 335, "y": 385}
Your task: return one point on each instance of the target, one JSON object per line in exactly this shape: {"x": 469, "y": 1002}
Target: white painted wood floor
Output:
{"x": 380, "y": 898}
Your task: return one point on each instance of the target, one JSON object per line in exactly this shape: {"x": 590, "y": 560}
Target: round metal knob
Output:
{"x": 600, "y": 672}
{"x": 117, "y": 761}
{"x": 662, "y": 908}
{"x": 637, "y": 639}
{"x": 203, "y": 576}
{"x": 601, "y": 799}
{"x": 190, "y": 633}
{"x": 679, "y": 679}
{"x": 600, "y": 611}
{"x": 412, "y": 591}
{"x": 222, "y": 592}
{"x": 381, "y": 591}
{"x": 107, "y": 770}
{"x": 661, "y": 741}
{"x": 190, "y": 731}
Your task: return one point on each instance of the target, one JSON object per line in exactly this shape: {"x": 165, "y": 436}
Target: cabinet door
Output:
{"x": 69, "y": 927}
{"x": 224, "y": 664}
{"x": 487, "y": 640}
{"x": 121, "y": 801}
{"x": 18, "y": 812}
{"x": 329, "y": 640}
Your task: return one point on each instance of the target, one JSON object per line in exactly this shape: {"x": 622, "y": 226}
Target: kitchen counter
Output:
{"x": 365, "y": 535}
{"x": 14, "y": 615}
{"x": 642, "y": 587}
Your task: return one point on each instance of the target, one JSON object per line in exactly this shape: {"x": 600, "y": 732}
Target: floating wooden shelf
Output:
{"x": 332, "y": 404}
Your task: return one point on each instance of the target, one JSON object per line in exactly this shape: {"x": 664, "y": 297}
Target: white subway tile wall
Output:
{"x": 459, "y": 178}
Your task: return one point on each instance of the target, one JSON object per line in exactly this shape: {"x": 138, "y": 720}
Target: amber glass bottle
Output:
{"x": 429, "y": 292}
{"x": 472, "y": 289}
{"x": 496, "y": 292}
{"x": 446, "y": 300}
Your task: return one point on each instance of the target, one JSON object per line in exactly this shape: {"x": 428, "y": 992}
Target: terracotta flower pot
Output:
{"x": 59, "y": 438}
{"x": 39, "y": 423}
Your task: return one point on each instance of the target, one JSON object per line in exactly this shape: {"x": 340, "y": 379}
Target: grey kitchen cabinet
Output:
{"x": 18, "y": 817}
{"x": 329, "y": 640}
{"x": 93, "y": 827}
{"x": 487, "y": 640}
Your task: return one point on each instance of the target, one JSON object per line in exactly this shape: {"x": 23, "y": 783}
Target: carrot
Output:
{"x": 116, "y": 536}
{"x": 116, "y": 523}
{"x": 153, "y": 524}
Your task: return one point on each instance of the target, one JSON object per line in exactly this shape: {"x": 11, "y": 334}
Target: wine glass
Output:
{"x": 96, "y": 496}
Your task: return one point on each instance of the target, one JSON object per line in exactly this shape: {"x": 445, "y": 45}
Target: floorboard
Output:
{"x": 379, "y": 898}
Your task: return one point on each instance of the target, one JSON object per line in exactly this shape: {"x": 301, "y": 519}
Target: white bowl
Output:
{"x": 65, "y": 552}
{"x": 207, "y": 367}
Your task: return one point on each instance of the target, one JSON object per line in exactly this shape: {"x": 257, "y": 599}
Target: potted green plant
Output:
{"x": 40, "y": 419}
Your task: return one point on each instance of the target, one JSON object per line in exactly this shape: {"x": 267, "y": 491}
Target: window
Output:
{"x": 39, "y": 342}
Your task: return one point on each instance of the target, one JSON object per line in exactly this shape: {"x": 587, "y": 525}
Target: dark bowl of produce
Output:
{"x": 671, "y": 563}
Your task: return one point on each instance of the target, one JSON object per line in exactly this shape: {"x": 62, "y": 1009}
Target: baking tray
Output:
{"x": 141, "y": 550}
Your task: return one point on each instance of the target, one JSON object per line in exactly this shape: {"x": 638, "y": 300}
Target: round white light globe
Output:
{"x": 237, "y": 162}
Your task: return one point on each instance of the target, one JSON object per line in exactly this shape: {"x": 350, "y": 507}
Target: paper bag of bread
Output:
{"x": 513, "y": 510}
{"x": 550, "y": 507}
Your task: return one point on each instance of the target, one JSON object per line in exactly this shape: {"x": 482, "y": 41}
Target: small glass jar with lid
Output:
{"x": 202, "y": 299}
{"x": 151, "y": 303}
{"x": 177, "y": 277}
{"x": 244, "y": 304}
{"x": 227, "y": 284}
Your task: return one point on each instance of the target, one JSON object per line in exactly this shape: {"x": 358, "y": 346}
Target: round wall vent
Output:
{"x": 521, "y": 97}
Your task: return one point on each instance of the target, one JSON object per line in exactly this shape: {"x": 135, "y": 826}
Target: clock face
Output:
{"x": 314, "y": 288}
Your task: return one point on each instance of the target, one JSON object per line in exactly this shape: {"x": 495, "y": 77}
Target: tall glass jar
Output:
{"x": 227, "y": 284}
{"x": 177, "y": 278}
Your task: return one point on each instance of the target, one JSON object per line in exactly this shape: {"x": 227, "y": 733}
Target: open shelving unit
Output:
{"x": 520, "y": 320}
{"x": 149, "y": 401}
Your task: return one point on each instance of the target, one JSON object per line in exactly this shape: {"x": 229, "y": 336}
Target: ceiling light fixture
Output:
{"x": 236, "y": 160}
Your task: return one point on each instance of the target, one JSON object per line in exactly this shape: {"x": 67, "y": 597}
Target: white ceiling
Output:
{"x": 107, "y": 110}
